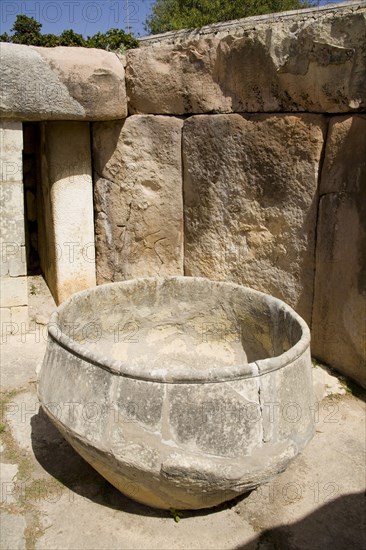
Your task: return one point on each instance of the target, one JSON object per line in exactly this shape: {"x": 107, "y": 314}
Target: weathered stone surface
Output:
{"x": 250, "y": 199}
{"x": 66, "y": 228}
{"x": 339, "y": 319}
{"x": 138, "y": 197}
{"x": 296, "y": 62}
{"x": 179, "y": 417}
{"x": 8, "y": 473}
{"x": 12, "y": 234}
{"x": 12, "y": 532}
{"x": 61, "y": 83}
{"x": 14, "y": 291}
{"x": 11, "y": 146}
{"x": 5, "y": 319}
{"x": 19, "y": 316}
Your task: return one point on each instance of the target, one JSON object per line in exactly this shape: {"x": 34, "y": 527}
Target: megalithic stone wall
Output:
{"x": 305, "y": 61}
{"x": 234, "y": 151}
{"x": 138, "y": 197}
{"x": 339, "y": 317}
{"x": 13, "y": 281}
{"x": 250, "y": 201}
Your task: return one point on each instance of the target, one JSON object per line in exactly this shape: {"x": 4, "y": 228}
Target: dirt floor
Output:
{"x": 52, "y": 500}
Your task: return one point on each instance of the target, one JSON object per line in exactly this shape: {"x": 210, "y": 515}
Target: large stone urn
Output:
{"x": 182, "y": 392}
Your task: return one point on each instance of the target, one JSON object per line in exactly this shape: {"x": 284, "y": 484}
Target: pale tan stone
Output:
{"x": 177, "y": 424}
{"x": 12, "y": 231}
{"x": 250, "y": 199}
{"x": 12, "y": 237}
{"x": 19, "y": 316}
{"x": 11, "y": 146}
{"x": 66, "y": 227}
{"x": 61, "y": 83}
{"x": 5, "y": 318}
{"x": 14, "y": 291}
{"x": 138, "y": 197}
{"x": 339, "y": 317}
{"x": 299, "y": 62}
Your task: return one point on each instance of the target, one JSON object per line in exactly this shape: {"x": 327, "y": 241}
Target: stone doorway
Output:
{"x": 59, "y": 214}
{"x": 46, "y": 212}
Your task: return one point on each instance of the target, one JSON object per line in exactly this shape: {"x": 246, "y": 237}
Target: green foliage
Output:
{"x": 71, "y": 38}
{"x": 176, "y": 514}
{"x": 168, "y": 15}
{"x": 5, "y": 37}
{"x": 113, "y": 40}
{"x": 26, "y": 30}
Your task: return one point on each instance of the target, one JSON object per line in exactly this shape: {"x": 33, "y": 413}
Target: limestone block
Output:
{"x": 13, "y": 259}
{"x": 5, "y": 317}
{"x": 138, "y": 197}
{"x": 17, "y": 262}
{"x": 339, "y": 316}
{"x": 61, "y": 83}
{"x": 11, "y": 146}
{"x": 250, "y": 185}
{"x": 14, "y": 291}
{"x": 12, "y": 212}
{"x": 299, "y": 62}
{"x": 66, "y": 227}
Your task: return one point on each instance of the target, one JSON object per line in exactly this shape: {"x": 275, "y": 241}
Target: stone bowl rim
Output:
{"x": 182, "y": 374}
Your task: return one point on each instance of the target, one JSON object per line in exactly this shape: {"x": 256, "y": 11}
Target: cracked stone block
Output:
{"x": 61, "y": 83}
{"x": 138, "y": 197}
{"x": 250, "y": 201}
{"x": 339, "y": 316}
{"x": 307, "y": 62}
{"x": 178, "y": 418}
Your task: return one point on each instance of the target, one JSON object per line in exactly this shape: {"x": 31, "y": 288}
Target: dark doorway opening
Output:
{"x": 31, "y": 179}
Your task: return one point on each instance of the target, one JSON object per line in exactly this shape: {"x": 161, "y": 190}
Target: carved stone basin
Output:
{"x": 182, "y": 392}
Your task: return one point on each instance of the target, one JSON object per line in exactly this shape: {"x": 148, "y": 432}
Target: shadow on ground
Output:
{"x": 64, "y": 464}
{"x": 338, "y": 525}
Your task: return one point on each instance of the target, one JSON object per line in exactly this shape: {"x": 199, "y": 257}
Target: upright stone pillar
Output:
{"x": 66, "y": 224}
{"x": 13, "y": 269}
{"x": 339, "y": 312}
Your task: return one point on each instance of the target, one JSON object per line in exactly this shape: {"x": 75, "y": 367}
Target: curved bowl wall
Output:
{"x": 182, "y": 392}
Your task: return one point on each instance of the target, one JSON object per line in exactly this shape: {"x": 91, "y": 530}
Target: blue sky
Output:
{"x": 84, "y": 16}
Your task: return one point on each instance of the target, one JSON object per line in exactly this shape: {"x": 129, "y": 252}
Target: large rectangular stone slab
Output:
{"x": 250, "y": 199}
{"x": 339, "y": 317}
{"x": 138, "y": 197}
{"x": 14, "y": 291}
{"x": 66, "y": 225}
{"x": 12, "y": 230}
{"x": 63, "y": 83}
{"x": 310, "y": 60}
